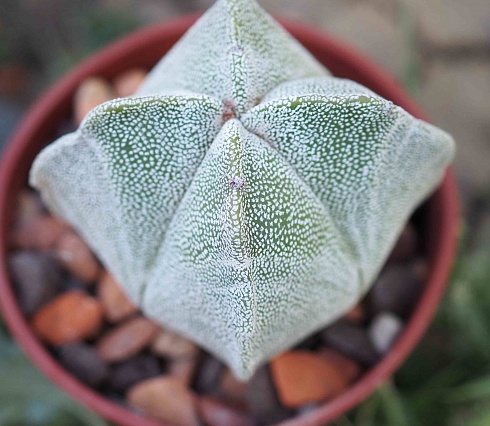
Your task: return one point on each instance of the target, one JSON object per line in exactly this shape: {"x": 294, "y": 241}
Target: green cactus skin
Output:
{"x": 243, "y": 197}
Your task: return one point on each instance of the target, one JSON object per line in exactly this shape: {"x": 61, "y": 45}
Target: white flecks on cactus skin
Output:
{"x": 245, "y": 197}
{"x": 242, "y": 55}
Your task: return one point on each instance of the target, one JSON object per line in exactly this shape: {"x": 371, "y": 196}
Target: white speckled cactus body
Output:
{"x": 244, "y": 197}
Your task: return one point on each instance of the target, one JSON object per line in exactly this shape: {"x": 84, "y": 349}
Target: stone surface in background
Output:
{"x": 451, "y": 22}
{"x": 456, "y": 94}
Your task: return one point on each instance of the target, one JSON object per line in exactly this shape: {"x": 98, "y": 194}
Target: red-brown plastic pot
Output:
{"x": 143, "y": 49}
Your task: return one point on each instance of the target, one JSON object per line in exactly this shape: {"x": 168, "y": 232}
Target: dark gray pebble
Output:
{"x": 397, "y": 289}
{"x": 262, "y": 401}
{"x": 407, "y": 245}
{"x": 128, "y": 373}
{"x": 74, "y": 283}
{"x": 81, "y": 359}
{"x": 310, "y": 343}
{"x": 352, "y": 341}
{"x": 37, "y": 278}
{"x": 208, "y": 375}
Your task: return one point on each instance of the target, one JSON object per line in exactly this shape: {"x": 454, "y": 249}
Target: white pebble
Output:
{"x": 383, "y": 331}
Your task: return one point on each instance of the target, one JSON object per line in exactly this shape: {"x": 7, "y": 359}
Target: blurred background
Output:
{"x": 438, "y": 49}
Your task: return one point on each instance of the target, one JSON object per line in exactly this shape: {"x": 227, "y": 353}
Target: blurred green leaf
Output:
{"x": 28, "y": 398}
{"x": 474, "y": 390}
{"x": 101, "y": 26}
{"x": 393, "y": 406}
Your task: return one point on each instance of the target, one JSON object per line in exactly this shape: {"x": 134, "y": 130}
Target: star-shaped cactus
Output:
{"x": 244, "y": 197}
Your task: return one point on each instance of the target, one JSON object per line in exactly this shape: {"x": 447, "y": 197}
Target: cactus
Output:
{"x": 243, "y": 197}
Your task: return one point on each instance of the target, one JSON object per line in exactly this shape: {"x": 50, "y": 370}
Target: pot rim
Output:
{"x": 444, "y": 216}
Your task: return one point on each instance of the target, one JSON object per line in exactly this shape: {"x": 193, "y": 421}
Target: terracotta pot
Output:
{"x": 144, "y": 48}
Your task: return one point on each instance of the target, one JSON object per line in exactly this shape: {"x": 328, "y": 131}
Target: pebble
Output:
{"x": 40, "y": 233}
{"x": 383, "y": 330}
{"x": 350, "y": 368}
{"x": 37, "y": 277}
{"x": 73, "y": 283}
{"x": 310, "y": 343}
{"x": 127, "y": 339}
{"x": 92, "y": 92}
{"x": 82, "y": 360}
{"x": 126, "y": 83}
{"x": 232, "y": 389}
{"x": 406, "y": 245}
{"x": 183, "y": 369}
{"x": 352, "y": 340}
{"x": 77, "y": 258}
{"x": 173, "y": 346}
{"x": 165, "y": 398}
{"x": 70, "y": 317}
{"x": 29, "y": 206}
{"x": 357, "y": 314}
{"x": 117, "y": 306}
{"x": 215, "y": 413}
{"x": 262, "y": 401}
{"x": 208, "y": 375}
{"x": 303, "y": 378}
{"x": 397, "y": 289}
{"x": 137, "y": 369}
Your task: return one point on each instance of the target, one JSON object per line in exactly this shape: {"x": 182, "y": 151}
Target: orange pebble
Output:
{"x": 127, "y": 339}
{"x": 303, "y": 378}
{"x": 77, "y": 258}
{"x": 92, "y": 92}
{"x": 117, "y": 305}
{"x": 165, "y": 398}
{"x": 126, "y": 83}
{"x": 71, "y": 317}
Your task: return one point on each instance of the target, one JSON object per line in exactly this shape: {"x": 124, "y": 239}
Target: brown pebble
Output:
{"x": 77, "y": 258}
{"x": 126, "y": 340}
{"x": 232, "y": 389}
{"x": 350, "y": 368}
{"x": 183, "y": 369}
{"x": 71, "y": 317}
{"x": 126, "y": 83}
{"x": 40, "y": 233}
{"x": 92, "y": 92}
{"x": 174, "y": 346}
{"x": 165, "y": 398}
{"x": 357, "y": 314}
{"x": 215, "y": 413}
{"x": 29, "y": 206}
{"x": 305, "y": 377}
{"x": 117, "y": 306}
